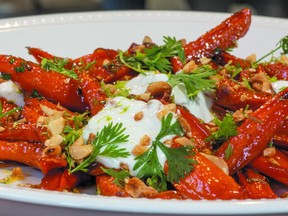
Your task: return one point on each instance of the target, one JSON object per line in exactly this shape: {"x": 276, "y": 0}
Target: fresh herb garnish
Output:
{"x": 9, "y": 112}
{"x": 119, "y": 176}
{"x": 178, "y": 162}
{"x": 58, "y": 65}
{"x": 35, "y": 94}
{"x": 228, "y": 151}
{"x": 226, "y": 128}
{"x": 106, "y": 143}
{"x": 282, "y": 44}
{"x": 155, "y": 58}
{"x": 5, "y": 76}
{"x": 115, "y": 90}
{"x": 195, "y": 82}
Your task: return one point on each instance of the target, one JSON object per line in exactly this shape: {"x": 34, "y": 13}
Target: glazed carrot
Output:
{"x": 39, "y": 54}
{"x": 255, "y": 184}
{"x": 7, "y": 106}
{"x": 197, "y": 130}
{"x": 93, "y": 94}
{"x": 223, "y": 58}
{"x": 169, "y": 194}
{"x": 255, "y": 133}
{"x": 24, "y": 132}
{"x": 233, "y": 98}
{"x": 32, "y": 110}
{"x": 274, "y": 165}
{"x": 208, "y": 181}
{"x": 30, "y": 154}
{"x": 107, "y": 187}
{"x": 53, "y": 86}
{"x": 279, "y": 70}
{"x": 223, "y": 36}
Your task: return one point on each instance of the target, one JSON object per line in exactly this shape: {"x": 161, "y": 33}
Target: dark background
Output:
{"x": 14, "y": 8}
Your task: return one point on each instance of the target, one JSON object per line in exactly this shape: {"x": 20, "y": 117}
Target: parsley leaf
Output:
{"x": 58, "y": 65}
{"x": 226, "y": 128}
{"x": 119, "y": 176}
{"x": 195, "y": 82}
{"x": 155, "y": 58}
{"x": 106, "y": 143}
{"x": 149, "y": 165}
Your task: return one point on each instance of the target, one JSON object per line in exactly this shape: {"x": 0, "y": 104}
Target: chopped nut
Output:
{"x": 48, "y": 111}
{"x": 184, "y": 141}
{"x": 56, "y": 126}
{"x": 190, "y": 66}
{"x": 251, "y": 58}
{"x": 283, "y": 59}
{"x": 167, "y": 109}
{"x": 243, "y": 98}
{"x": 219, "y": 162}
{"x": 185, "y": 125}
{"x": 2, "y": 129}
{"x": 105, "y": 62}
{"x": 269, "y": 152}
{"x": 139, "y": 150}
{"x": 205, "y": 60}
{"x": 138, "y": 116}
{"x": 158, "y": 88}
{"x": 144, "y": 97}
{"x": 54, "y": 140}
{"x": 137, "y": 188}
{"x": 78, "y": 150}
{"x": 145, "y": 140}
{"x": 42, "y": 120}
{"x": 146, "y": 40}
{"x": 260, "y": 82}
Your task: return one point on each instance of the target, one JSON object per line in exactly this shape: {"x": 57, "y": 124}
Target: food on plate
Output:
{"x": 182, "y": 120}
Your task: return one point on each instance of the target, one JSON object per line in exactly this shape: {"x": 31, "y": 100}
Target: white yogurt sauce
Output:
{"x": 120, "y": 109}
{"x": 11, "y": 92}
{"x": 279, "y": 85}
{"x": 200, "y": 106}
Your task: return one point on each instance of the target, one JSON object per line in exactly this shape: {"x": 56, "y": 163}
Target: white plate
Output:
{"x": 76, "y": 34}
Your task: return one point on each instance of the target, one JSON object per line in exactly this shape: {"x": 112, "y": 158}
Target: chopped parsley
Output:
{"x": 155, "y": 58}
{"x": 195, "y": 82}
{"x": 178, "y": 162}
{"x": 106, "y": 143}
{"x": 226, "y": 128}
{"x": 58, "y": 65}
{"x": 119, "y": 176}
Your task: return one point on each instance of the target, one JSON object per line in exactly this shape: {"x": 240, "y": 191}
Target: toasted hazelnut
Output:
{"x": 137, "y": 188}
{"x": 251, "y": 58}
{"x": 159, "y": 88}
{"x": 185, "y": 125}
{"x": 269, "y": 152}
{"x": 219, "y": 162}
{"x": 147, "y": 39}
{"x": 56, "y": 126}
{"x": 144, "y": 97}
{"x": 184, "y": 141}
{"x": 139, "y": 150}
{"x": 138, "y": 116}
{"x": 56, "y": 139}
{"x": 167, "y": 109}
{"x": 145, "y": 140}
{"x": 190, "y": 66}
{"x": 78, "y": 150}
